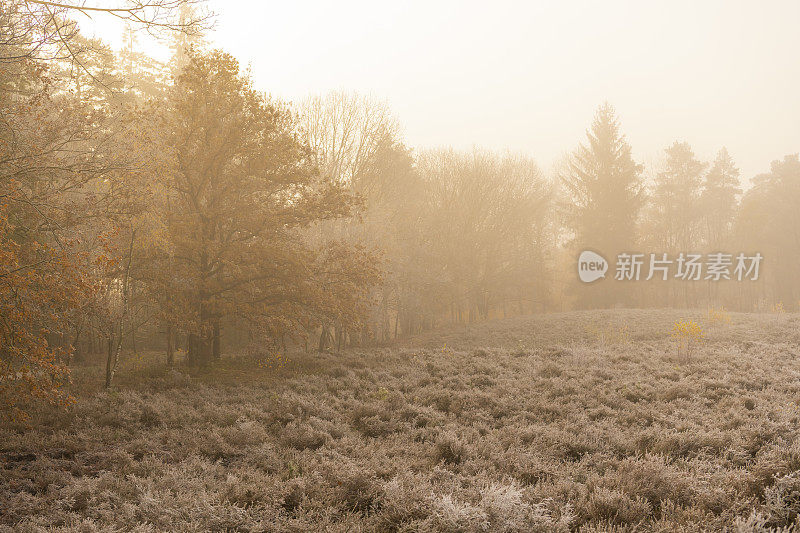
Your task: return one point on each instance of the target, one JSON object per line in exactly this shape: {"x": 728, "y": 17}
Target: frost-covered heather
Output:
{"x": 525, "y": 424}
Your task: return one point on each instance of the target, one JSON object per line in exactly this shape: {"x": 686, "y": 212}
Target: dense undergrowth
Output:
{"x": 524, "y": 424}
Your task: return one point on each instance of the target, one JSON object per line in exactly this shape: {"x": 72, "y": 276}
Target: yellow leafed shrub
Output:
{"x": 719, "y": 316}
{"x": 687, "y": 334}
{"x": 274, "y": 361}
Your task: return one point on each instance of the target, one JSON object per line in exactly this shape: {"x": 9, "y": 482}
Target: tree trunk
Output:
{"x": 201, "y": 347}
{"x": 200, "y": 351}
{"x": 170, "y": 347}
{"x": 215, "y": 344}
{"x": 109, "y": 360}
{"x": 325, "y": 339}
{"x": 77, "y": 354}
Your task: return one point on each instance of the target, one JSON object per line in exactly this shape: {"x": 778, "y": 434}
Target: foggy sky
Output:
{"x": 527, "y": 76}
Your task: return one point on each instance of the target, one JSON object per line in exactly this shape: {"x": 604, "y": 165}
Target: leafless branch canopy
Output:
{"x": 152, "y": 14}
{"x": 44, "y": 30}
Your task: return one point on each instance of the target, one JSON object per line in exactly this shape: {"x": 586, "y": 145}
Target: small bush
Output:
{"x": 293, "y": 497}
{"x": 614, "y": 506}
{"x": 301, "y": 436}
{"x": 359, "y": 493}
{"x": 609, "y": 332}
{"x": 782, "y": 501}
{"x": 450, "y": 449}
{"x": 372, "y": 421}
{"x": 688, "y": 335}
{"x": 719, "y": 316}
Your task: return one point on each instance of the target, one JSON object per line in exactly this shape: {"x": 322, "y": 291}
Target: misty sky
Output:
{"x": 527, "y": 76}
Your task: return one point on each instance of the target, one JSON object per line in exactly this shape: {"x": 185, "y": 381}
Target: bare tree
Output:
{"x": 344, "y": 131}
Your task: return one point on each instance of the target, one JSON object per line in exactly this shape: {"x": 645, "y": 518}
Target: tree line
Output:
{"x": 683, "y": 206}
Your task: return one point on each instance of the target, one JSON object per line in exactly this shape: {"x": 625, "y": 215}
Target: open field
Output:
{"x": 556, "y": 422}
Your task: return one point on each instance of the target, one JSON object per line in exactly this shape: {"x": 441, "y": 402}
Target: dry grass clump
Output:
{"x": 525, "y": 424}
{"x": 609, "y": 332}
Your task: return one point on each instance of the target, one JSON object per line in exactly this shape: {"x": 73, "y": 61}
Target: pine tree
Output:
{"x": 182, "y": 42}
{"x": 768, "y": 222}
{"x": 675, "y": 208}
{"x": 605, "y": 192}
{"x": 718, "y": 201}
{"x": 144, "y": 76}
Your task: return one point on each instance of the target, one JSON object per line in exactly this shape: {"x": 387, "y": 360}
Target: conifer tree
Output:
{"x": 604, "y": 188}
{"x": 718, "y": 200}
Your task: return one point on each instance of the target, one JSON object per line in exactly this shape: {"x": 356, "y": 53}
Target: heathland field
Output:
{"x": 589, "y": 421}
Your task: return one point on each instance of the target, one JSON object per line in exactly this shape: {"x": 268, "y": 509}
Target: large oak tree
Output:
{"x": 239, "y": 188}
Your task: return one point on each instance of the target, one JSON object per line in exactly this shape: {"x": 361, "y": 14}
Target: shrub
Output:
{"x": 782, "y": 501}
{"x": 372, "y": 421}
{"x": 359, "y": 493}
{"x": 718, "y": 316}
{"x": 450, "y": 449}
{"x": 688, "y": 334}
{"x": 612, "y": 505}
{"x": 273, "y": 360}
{"x": 293, "y": 497}
{"x": 450, "y": 515}
{"x": 301, "y": 436}
{"x": 404, "y": 501}
{"x": 609, "y": 332}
